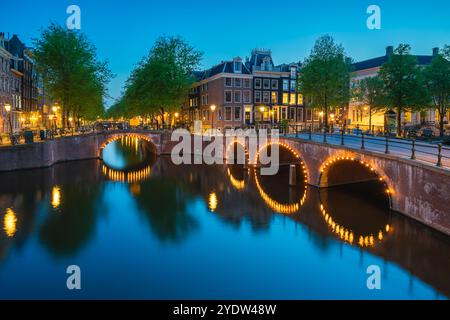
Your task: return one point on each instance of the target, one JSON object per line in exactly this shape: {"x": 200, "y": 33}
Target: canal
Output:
{"x": 140, "y": 227}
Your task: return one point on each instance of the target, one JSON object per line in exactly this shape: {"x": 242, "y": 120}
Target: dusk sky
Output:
{"x": 123, "y": 32}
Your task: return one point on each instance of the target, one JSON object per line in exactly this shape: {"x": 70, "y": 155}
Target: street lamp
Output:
{"x": 213, "y": 108}
{"x": 8, "y": 110}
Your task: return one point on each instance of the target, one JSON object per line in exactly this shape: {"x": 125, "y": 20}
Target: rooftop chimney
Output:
{"x": 389, "y": 50}
{"x": 435, "y": 52}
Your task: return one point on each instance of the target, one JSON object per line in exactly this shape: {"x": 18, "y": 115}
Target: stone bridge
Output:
{"x": 416, "y": 189}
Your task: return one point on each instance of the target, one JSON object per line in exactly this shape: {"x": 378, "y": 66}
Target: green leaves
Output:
{"x": 404, "y": 85}
{"x": 325, "y": 75}
{"x": 437, "y": 81}
{"x": 72, "y": 74}
{"x": 161, "y": 81}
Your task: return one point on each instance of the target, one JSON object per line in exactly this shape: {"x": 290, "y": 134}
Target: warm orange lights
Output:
{"x": 347, "y": 235}
{"x": 10, "y": 223}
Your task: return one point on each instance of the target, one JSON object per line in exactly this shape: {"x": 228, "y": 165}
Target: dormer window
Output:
{"x": 237, "y": 66}
{"x": 267, "y": 64}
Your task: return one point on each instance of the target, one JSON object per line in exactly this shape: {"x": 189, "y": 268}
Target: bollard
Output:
{"x": 362, "y": 142}
{"x": 292, "y": 175}
{"x": 387, "y": 145}
{"x": 439, "y": 163}
{"x": 413, "y": 150}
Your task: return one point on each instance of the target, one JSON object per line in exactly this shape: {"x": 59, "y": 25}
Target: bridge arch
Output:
{"x": 362, "y": 170}
{"x": 109, "y": 138}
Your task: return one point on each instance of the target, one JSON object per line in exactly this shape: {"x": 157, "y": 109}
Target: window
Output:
{"x": 237, "y": 96}
{"x": 203, "y": 100}
{"x": 292, "y": 114}
{"x": 247, "y": 98}
{"x": 220, "y": 114}
{"x": 257, "y": 83}
{"x": 309, "y": 114}
{"x": 246, "y": 83}
{"x": 237, "y": 83}
{"x": 293, "y": 73}
{"x": 293, "y": 99}
{"x": 285, "y": 98}
{"x": 293, "y": 85}
{"x": 300, "y": 99}
{"x": 228, "y": 113}
{"x": 257, "y": 96}
{"x": 237, "y": 113}
{"x": 228, "y": 96}
{"x": 285, "y": 85}
{"x": 238, "y": 66}
{"x": 274, "y": 97}
{"x": 266, "y": 97}
{"x": 274, "y": 84}
{"x": 207, "y": 99}
{"x": 300, "y": 115}
{"x": 266, "y": 84}
{"x": 228, "y": 82}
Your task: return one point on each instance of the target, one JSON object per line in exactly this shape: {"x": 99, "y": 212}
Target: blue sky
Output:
{"x": 124, "y": 31}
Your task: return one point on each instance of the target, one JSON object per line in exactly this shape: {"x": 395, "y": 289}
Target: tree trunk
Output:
{"x": 441, "y": 123}
{"x": 370, "y": 119}
{"x": 162, "y": 116}
{"x": 399, "y": 121}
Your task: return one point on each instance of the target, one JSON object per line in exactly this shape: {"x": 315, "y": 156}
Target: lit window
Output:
{"x": 274, "y": 97}
{"x": 285, "y": 98}
{"x": 293, "y": 99}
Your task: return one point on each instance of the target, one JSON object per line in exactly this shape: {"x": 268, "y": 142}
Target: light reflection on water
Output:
{"x": 141, "y": 227}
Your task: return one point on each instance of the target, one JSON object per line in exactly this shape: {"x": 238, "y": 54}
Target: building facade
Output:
{"x": 237, "y": 94}
{"x": 359, "y": 114}
{"x": 10, "y": 89}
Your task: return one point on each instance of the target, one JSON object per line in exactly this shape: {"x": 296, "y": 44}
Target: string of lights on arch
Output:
{"x": 126, "y": 177}
{"x": 345, "y": 233}
{"x": 127, "y": 136}
{"x": 273, "y": 204}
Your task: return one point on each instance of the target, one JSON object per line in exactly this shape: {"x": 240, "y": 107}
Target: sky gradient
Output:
{"x": 123, "y": 32}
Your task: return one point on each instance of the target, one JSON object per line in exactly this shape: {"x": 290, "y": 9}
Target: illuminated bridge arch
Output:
{"x": 118, "y": 136}
{"x": 273, "y": 204}
{"x": 361, "y": 171}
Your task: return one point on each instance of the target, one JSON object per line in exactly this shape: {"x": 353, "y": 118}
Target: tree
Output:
{"x": 324, "y": 77}
{"x": 370, "y": 92}
{"x": 71, "y": 72}
{"x": 162, "y": 80}
{"x": 403, "y": 83}
{"x": 437, "y": 79}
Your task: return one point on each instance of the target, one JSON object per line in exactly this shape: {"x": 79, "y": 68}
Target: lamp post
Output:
{"x": 8, "y": 111}
{"x": 213, "y": 109}
{"x": 55, "y": 109}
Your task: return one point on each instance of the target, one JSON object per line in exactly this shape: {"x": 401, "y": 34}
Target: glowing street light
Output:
{"x": 213, "y": 108}
{"x": 8, "y": 107}
{"x": 262, "y": 109}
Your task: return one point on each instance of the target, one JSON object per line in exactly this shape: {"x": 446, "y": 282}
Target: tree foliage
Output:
{"x": 437, "y": 79}
{"x": 325, "y": 76}
{"x": 404, "y": 88}
{"x": 72, "y": 74}
{"x": 161, "y": 82}
{"x": 370, "y": 92}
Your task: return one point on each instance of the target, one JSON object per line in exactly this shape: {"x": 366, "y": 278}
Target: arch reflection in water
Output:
{"x": 357, "y": 213}
{"x": 125, "y": 176}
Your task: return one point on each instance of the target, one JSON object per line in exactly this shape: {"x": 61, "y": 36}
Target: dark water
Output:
{"x": 141, "y": 227}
